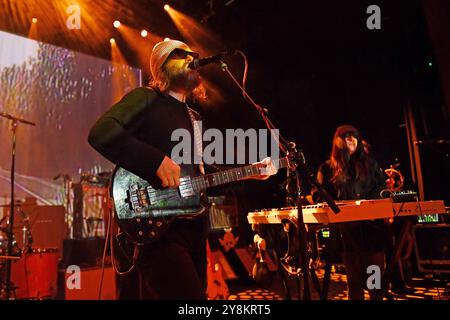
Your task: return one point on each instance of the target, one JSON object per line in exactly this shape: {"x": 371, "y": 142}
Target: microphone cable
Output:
{"x": 109, "y": 237}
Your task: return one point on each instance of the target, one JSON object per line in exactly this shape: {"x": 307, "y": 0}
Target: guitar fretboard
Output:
{"x": 203, "y": 182}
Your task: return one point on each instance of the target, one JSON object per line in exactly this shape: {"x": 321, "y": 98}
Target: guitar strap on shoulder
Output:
{"x": 198, "y": 142}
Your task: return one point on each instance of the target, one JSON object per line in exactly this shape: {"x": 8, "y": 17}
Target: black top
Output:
{"x": 361, "y": 235}
{"x": 135, "y": 133}
{"x": 353, "y": 189}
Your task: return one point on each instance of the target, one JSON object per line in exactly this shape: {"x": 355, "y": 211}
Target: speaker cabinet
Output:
{"x": 46, "y": 223}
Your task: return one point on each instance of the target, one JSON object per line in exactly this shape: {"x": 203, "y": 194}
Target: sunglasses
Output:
{"x": 182, "y": 54}
{"x": 350, "y": 135}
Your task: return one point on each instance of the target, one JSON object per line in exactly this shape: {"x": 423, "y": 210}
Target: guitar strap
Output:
{"x": 198, "y": 142}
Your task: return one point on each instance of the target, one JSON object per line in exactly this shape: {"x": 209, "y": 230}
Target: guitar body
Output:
{"x": 144, "y": 210}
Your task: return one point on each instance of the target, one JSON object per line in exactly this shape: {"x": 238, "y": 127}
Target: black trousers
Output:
{"x": 172, "y": 268}
{"x": 363, "y": 245}
{"x": 356, "y": 264}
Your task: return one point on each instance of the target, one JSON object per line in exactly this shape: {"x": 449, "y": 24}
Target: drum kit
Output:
{"x": 34, "y": 271}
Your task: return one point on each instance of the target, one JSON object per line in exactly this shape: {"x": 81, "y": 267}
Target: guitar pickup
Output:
{"x": 151, "y": 195}
{"x": 186, "y": 189}
{"x": 139, "y": 199}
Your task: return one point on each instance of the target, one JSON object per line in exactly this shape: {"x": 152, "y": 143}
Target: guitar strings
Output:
{"x": 197, "y": 183}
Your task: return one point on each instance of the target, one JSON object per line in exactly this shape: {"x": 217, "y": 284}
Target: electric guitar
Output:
{"x": 144, "y": 210}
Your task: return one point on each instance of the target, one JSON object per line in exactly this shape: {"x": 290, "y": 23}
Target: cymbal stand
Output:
{"x": 14, "y": 124}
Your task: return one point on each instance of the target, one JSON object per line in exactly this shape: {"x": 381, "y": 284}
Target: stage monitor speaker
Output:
{"x": 432, "y": 247}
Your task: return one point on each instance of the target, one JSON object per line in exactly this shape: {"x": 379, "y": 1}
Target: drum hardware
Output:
{"x": 4, "y": 241}
{"x": 35, "y": 274}
{"x": 5, "y": 258}
{"x": 14, "y": 124}
{"x": 27, "y": 238}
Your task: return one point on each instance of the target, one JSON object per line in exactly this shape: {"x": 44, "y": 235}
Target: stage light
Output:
{"x": 34, "y": 20}
{"x": 112, "y": 41}
{"x": 166, "y": 39}
{"x": 116, "y": 24}
{"x": 166, "y": 7}
{"x": 144, "y": 33}
{"x": 430, "y": 64}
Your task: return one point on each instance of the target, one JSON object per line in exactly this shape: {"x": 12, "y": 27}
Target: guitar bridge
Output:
{"x": 139, "y": 199}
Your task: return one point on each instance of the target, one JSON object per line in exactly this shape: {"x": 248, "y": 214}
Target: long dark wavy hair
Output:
{"x": 340, "y": 160}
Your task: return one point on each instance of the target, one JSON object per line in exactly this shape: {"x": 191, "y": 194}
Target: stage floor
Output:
{"x": 420, "y": 288}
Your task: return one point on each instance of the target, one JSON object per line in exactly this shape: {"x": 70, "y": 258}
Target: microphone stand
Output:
{"x": 294, "y": 192}
{"x": 296, "y": 169}
{"x": 14, "y": 124}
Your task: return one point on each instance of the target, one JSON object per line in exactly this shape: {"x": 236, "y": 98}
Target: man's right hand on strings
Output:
{"x": 169, "y": 173}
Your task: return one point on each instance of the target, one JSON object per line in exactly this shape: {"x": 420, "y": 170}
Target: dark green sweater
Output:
{"x": 135, "y": 133}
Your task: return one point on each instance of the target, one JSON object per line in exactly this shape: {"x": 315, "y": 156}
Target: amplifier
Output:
{"x": 83, "y": 252}
{"x": 47, "y": 225}
{"x": 89, "y": 285}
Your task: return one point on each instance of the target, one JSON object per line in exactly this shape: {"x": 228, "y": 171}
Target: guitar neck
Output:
{"x": 203, "y": 182}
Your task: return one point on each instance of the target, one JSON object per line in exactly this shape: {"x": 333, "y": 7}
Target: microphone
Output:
{"x": 198, "y": 63}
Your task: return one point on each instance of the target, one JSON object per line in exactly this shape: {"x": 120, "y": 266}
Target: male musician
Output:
{"x": 136, "y": 135}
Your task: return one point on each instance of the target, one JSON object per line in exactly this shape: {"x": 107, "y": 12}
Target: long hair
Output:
{"x": 340, "y": 160}
{"x": 198, "y": 95}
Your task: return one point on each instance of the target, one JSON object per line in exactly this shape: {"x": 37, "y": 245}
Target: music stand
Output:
{"x": 14, "y": 124}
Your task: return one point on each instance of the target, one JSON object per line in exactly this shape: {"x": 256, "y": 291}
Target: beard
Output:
{"x": 186, "y": 80}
